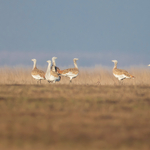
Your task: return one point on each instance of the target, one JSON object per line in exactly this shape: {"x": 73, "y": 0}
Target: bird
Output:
{"x": 119, "y": 73}
{"x": 36, "y": 73}
{"x": 149, "y": 65}
{"x": 50, "y": 75}
{"x": 70, "y": 72}
{"x": 53, "y": 67}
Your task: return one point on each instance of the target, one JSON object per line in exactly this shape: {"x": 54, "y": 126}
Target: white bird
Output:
{"x": 119, "y": 73}
{"x": 70, "y": 72}
{"x": 36, "y": 73}
{"x": 50, "y": 75}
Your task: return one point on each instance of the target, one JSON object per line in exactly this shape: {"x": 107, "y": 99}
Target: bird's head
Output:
{"x": 49, "y": 61}
{"x": 75, "y": 59}
{"x": 115, "y": 61}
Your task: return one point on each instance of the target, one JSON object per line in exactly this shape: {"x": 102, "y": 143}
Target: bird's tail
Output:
{"x": 132, "y": 76}
{"x": 60, "y": 71}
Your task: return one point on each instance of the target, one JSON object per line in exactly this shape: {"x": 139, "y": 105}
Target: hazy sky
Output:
{"x": 95, "y": 31}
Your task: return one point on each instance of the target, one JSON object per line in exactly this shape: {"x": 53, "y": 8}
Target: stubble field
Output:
{"x": 94, "y": 112}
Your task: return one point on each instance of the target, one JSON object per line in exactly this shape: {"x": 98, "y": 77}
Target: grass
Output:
{"x": 84, "y": 115}
{"x": 95, "y": 76}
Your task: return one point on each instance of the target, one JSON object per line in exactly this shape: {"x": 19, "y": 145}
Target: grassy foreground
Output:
{"x": 74, "y": 117}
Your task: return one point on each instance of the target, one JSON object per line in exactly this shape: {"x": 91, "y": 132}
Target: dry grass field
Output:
{"x": 95, "y": 76}
{"x": 94, "y": 112}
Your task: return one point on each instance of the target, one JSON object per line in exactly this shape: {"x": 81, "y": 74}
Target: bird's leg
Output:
{"x": 70, "y": 79}
{"x": 120, "y": 82}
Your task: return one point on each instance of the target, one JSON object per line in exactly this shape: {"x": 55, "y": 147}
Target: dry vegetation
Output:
{"x": 93, "y": 113}
{"x": 99, "y": 75}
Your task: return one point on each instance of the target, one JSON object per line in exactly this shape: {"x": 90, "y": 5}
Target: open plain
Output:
{"x": 94, "y": 112}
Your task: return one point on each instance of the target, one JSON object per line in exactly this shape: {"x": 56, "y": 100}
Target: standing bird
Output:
{"x": 53, "y": 67}
{"x": 119, "y": 73}
{"x": 70, "y": 72}
{"x": 36, "y": 73}
{"x": 50, "y": 75}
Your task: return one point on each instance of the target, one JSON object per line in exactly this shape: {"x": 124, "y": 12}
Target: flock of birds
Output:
{"x": 54, "y": 74}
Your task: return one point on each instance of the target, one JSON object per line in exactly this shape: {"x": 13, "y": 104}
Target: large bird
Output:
{"x": 36, "y": 73}
{"x": 120, "y": 73}
{"x": 70, "y": 72}
{"x": 50, "y": 75}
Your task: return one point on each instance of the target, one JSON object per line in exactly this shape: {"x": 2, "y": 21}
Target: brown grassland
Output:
{"x": 94, "y": 112}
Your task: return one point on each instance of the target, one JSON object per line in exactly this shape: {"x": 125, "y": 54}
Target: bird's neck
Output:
{"x": 34, "y": 64}
{"x": 75, "y": 64}
{"x": 54, "y": 64}
{"x": 115, "y": 65}
{"x": 53, "y": 68}
{"x": 48, "y": 70}
{"x": 48, "y": 67}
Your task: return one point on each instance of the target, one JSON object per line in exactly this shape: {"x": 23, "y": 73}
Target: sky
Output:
{"x": 95, "y": 31}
